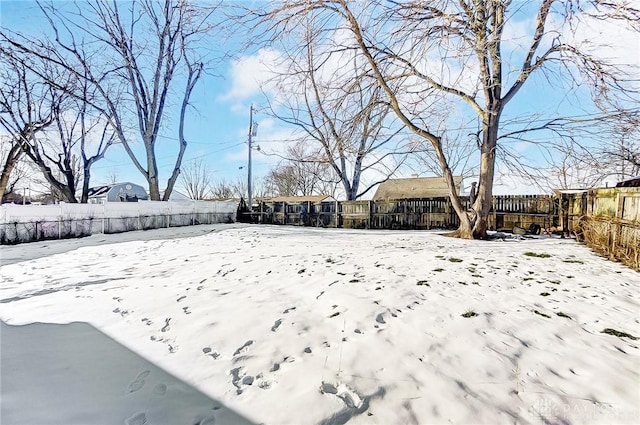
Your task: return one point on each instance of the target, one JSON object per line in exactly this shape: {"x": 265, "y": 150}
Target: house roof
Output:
{"x": 569, "y": 191}
{"x": 294, "y": 199}
{"x": 99, "y": 190}
{"x": 413, "y": 188}
{"x": 175, "y": 196}
{"x": 632, "y": 182}
{"x": 118, "y": 192}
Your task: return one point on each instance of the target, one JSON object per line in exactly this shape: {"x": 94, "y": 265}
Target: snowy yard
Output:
{"x": 287, "y": 325}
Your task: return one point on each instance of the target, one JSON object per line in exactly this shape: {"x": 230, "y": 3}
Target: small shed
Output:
{"x": 415, "y": 188}
{"x": 119, "y": 192}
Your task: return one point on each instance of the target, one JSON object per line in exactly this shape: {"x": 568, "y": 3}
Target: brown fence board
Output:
{"x": 428, "y": 213}
{"x": 607, "y": 220}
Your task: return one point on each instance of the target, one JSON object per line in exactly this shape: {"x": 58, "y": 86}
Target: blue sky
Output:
{"x": 216, "y": 130}
{"x": 217, "y": 127}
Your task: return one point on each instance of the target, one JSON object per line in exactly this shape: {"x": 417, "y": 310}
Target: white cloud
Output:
{"x": 251, "y": 74}
{"x": 610, "y": 40}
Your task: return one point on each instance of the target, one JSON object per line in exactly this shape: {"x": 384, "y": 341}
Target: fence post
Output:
{"x": 59, "y": 221}
{"x": 370, "y": 221}
{"x": 616, "y": 224}
{"x": 494, "y": 207}
{"x": 286, "y": 213}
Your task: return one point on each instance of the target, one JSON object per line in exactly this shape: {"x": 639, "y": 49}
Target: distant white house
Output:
{"x": 119, "y": 192}
{"x": 176, "y": 196}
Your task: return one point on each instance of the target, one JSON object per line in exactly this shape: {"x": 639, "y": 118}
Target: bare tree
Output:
{"x": 570, "y": 161}
{"x": 14, "y": 169}
{"x": 301, "y": 174}
{"x": 339, "y": 112}
{"x": 465, "y": 41}
{"x": 238, "y": 187}
{"x": 222, "y": 189}
{"x": 622, "y": 154}
{"x": 27, "y": 107}
{"x": 196, "y": 179}
{"x": 112, "y": 176}
{"x": 80, "y": 133}
{"x": 54, "y": 131}
{"x": 138, "y": 60}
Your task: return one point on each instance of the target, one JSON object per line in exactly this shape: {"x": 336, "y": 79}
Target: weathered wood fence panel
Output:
{"x": 430, "y": 213}
{"x": 608, "y": 220}
{"x": 522, "y": 211}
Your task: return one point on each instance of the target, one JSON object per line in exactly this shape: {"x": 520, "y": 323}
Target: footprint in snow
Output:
{"x": 244, "y": 347}
{"x": 139, "y": 382}
{"x": 350, "y": 398}
{"x": 160, "y": 390}
{"x": 380, "y": 319}
{"x": 237, "y": 375}
{"x": 137, "y": 419}
{"x": 166, "y": 326}
{"x": 209, "y": 352}
{"x": 276, "y": 325}
{"x": 209, "y": 420}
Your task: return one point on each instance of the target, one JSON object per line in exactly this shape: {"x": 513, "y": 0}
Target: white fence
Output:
{"x": 27, "y": 223}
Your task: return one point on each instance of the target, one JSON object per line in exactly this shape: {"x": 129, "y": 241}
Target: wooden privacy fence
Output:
{"x": 609, "y": 222}
{"x": 607, "y": 219}
{"x": 430, "y": 213}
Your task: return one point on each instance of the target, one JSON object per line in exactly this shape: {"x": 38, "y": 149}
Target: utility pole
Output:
{"x": 250, "y": 200}
{"x": 253, "y": 131}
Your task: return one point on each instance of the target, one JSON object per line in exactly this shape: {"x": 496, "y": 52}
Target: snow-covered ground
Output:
{"x": 287, "y": 325}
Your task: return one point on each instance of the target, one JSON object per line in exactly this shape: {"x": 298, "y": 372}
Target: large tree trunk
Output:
{"x": 154, "y": 190}
{"x": 152, "y": 174}
{"x": 482, "y": 204}
{"x": 12, "y": 160}
{"x": 465, "y": 229}
{"x": 85, "y": 184}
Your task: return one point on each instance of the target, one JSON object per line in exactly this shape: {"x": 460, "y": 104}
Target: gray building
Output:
{"x": 119, "y": 192}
